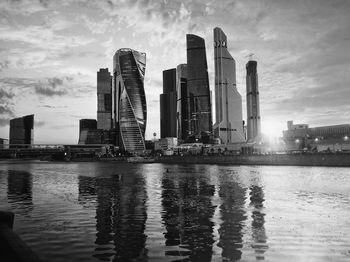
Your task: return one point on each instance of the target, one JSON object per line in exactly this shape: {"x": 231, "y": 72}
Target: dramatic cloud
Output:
{"x": 5, "y": 110}
{"x": 4, "y": 122}
{"x": 46, "y": 91}
{"x": 51, "y": 50}
{"x": 5, "y": 95}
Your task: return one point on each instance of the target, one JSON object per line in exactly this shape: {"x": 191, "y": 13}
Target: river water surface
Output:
{"x": 156, "y": 212}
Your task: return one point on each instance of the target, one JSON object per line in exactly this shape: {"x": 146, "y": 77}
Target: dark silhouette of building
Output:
{"x": 22, "y": 131}
{"x": 129, "y": 100}
{"x": 253, "y": 104}
{"x": 182, "y": 102}
{"x": 87, "y": 124}
{"x": 89, "y": 134}
{"x": 87, "y": 131}
{"x": 104, "y": 99}
{"x": 168, "y": 104}
{"x": 200, "y": 120}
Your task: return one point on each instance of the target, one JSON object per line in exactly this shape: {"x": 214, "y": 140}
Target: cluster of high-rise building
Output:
{"x": 186, "y": 102}
{"x": 185, "y": 106}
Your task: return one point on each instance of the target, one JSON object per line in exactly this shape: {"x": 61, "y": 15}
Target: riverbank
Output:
{"x": 341, "y": 160}
{"x": 336, "y": 160}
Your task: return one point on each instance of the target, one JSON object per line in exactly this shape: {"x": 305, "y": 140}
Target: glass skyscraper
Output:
{"x": 253, "y": 104}
{"x": 104, "y": 99}
{"x": 182, "y": 102}
{"x": 168, "y": 104}
{"x": 129, "y": 100}
{"x": 22, "y": 131}
{"x": 228, "y": 101}
{"x": 200, "y": 121}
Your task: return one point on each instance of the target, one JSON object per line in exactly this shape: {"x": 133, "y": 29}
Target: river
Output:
{"x": 157, "y": 212}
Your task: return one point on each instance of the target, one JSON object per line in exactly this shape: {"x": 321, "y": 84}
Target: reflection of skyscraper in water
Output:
{"x": 129, "y": 219}
{"x": 120, "y": 215}
{"x": 104, "y": 236}
{"x": 258, "y": 229}
{"x": 86, "y": 189}
{"x": 171, "y": 206}
{"x": 19, "y": 191}
{"x": 187, "y": 217}
{"x": 233, "y": 216}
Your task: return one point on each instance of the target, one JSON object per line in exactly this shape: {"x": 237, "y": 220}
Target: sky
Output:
{"x": 50, "y": 52}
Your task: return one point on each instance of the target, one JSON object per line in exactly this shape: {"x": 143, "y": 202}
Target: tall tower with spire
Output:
{"x": 228, "y": 101}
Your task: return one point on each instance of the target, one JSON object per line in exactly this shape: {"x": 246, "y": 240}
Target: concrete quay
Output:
{"x": 336, "y": 160}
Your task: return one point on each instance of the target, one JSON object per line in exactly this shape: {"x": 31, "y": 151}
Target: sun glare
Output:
{"x": 272, "y": 128}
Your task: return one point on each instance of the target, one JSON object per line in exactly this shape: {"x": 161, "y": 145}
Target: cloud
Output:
{"x": 97, "y": 27}
{"x": 4, "y": 121}
{"x": 51, "y": 106}
{"x": 54, "y": 87}
{"x": 39, "y": 123}
{"x": 54, "y": 82}
{"x": 52, "y": 50}
{"x": 5, "y": 110}
{"x": 23, "y": 7}
{"x": 5, "y": 95}
{"x": 46, "y": 91}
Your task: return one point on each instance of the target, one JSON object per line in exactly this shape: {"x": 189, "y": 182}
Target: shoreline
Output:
{"x": 330, "y": 160}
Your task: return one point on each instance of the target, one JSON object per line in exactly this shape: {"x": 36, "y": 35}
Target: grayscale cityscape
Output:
{"x": 172, "y": 130}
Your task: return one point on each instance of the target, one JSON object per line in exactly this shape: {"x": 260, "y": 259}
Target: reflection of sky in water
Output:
{"x": 123, "y": 212}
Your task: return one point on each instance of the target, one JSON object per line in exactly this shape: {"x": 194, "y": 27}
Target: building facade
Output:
{"x": 182, "y": 102}
{"x": 22, "y": 131}
{"x": 228, "y": 101}
{"x": 87, "y": 130}
{"x": 253, "y": 103}
{"x": 129, "y": 100}
{"x": 104, "y": 99}
{"x": 301, "y": 136}
{"x": 168, "y": 104}
{"x": 199, "y": 105}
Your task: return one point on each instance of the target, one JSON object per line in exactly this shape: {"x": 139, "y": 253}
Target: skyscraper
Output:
{"x": 200, "y": 121}
{"x": 129, "y": 100}
{"x": 253, "y": 104}
{"x": 168, "y": 104}
{"x": 182, "y": 102}
{"x": 22, "y": 130}
{"x": 104, "y": 99}
{"x": 228, "y": 101}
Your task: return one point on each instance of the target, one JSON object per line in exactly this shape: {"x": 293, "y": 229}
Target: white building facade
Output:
{"x": 228, "y": 101}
